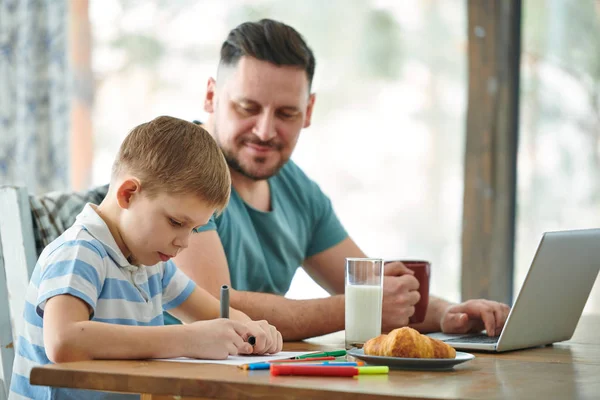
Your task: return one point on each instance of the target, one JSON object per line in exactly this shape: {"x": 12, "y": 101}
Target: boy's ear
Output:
{"x": 127, "y": 191}
{"x": 209, "y": 100}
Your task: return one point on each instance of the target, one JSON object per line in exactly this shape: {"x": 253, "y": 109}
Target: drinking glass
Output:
{"x": 364, "y": 296}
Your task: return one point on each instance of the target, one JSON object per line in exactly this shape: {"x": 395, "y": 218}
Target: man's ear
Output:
{"x": 127, "y": 191}
{"x": 209, "y": 100}
{"x": 309, "y": 110}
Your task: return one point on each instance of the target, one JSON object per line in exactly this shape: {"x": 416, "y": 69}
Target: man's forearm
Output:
{"x": 435, "y": 311}
{"x": 295, "y": 319}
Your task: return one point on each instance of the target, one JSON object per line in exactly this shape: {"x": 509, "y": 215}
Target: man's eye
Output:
{"x": 284, "y": 115}
{"x": 175, "y": 222}
{"x": 246, "y": 109}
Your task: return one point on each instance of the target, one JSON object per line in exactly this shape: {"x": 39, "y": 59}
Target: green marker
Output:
{"x": 335, "y": 353}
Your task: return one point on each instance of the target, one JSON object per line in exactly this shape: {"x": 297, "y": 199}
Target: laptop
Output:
{"x": 551, "y": 300}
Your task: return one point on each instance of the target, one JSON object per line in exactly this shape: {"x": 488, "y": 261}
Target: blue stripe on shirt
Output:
{"x": 31, "y": 351}
{"x": 73, "y": 267}
{"x": 154, "y": 285}
{"x": 65, "y": 290}
{"x": 93, "y": 245}
{"x": 31, "y": 316}
{"x": 20, "y": 385}
{"x": 156, "y": 321}
{"x": 168, "y": 273}
{"x": 176, "y": 302}
{"x": 117, "y": 289}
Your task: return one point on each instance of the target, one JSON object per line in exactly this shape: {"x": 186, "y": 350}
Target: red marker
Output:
{"x": 327, "y": 370}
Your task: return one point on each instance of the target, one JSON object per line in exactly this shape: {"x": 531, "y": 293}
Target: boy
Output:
{"x": 98, "y": 291}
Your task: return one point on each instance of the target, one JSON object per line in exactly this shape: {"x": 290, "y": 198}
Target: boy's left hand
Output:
{"x": 268, "y": 338}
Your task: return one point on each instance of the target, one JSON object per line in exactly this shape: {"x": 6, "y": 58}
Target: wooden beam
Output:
{"x": 80, "y": 57}
{"x": 488, "y": 229}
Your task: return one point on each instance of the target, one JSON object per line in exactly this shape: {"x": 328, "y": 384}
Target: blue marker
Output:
{"x": 263, "y": 365}
{"x": 266, "y": 365}
{"x": 342, "y": 364}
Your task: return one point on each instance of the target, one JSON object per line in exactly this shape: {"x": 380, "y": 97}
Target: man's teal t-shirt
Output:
{"x": 264, "y": 249}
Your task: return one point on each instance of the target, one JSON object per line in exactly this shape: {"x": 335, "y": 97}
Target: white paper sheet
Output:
{"x": 241, "y": 360}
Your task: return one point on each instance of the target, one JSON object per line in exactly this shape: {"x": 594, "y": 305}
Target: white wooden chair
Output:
{"x": 17, "y": 260}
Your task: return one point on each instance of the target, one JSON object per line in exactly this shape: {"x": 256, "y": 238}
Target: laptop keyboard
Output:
{"x": 474, "y": 339}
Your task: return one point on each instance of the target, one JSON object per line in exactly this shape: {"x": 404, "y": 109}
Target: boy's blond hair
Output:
{"x": 172, "y": 156}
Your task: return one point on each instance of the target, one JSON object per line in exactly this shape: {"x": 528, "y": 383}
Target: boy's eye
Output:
{"x": 175, "y": 222}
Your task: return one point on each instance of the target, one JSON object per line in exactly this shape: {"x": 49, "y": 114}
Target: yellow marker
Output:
{"x": 373, "y": 370}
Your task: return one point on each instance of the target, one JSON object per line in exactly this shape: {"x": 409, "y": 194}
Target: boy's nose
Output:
{"x": 181, "y": 242}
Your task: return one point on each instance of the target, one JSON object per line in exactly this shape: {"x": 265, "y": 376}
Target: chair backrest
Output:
{"x": 17, "y": 261}
{"x": 27, "y": 225}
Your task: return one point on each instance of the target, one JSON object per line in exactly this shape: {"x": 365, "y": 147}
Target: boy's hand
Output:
{"x": 268, "y": 338}
{"x": 217, "y": 339}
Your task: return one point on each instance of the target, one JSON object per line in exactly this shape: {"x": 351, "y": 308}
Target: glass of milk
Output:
{"x": 364, "y": 296}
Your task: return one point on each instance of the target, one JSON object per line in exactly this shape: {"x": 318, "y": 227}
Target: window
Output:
{"x": 387, "y": 139}
{"x": 559, "y": 148}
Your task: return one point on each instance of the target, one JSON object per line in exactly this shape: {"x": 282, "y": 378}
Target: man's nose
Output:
{"x": 265, "y": 127}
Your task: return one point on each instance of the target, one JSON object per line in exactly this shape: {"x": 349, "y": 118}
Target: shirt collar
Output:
{"x": 89, "y": 219}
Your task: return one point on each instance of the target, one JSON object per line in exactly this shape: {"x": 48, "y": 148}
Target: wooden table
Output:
{"x": 567, "y": 370}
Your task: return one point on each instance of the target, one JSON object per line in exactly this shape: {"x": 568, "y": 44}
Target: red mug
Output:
{"x": 422, "y": 270}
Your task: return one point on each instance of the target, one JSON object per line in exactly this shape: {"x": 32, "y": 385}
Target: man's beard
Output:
{"x": 235, "y": 164}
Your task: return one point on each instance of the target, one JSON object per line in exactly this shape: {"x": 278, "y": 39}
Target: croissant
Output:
{"x": 408, "y": 343}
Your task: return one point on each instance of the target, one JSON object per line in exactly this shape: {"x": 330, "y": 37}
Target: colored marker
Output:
{"x": 224, "y": 301}
{"x": 297, "y": 360}
{"x": 261, "y": 365}
{"x": 337, "y": 364}
{"x": 255, "y": 366}
{"x": 225, "y": 309}
{"x": 266, "y": 365}
{"x": 343, "y": 364}
{"x": 335, "y": 353}
{"x": 310, "y": 370}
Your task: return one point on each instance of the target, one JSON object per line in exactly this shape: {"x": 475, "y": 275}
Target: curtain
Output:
{"x": 34, "y": 94}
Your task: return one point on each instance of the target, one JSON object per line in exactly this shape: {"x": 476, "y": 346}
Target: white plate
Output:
{"x": 413, "y": 363}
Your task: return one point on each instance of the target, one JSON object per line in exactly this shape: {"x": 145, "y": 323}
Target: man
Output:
{"x": 277, "y": 218}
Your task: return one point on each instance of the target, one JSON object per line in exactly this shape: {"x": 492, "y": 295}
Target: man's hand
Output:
{"x": 474, "y": 316}
{"x": 400, "y": 294}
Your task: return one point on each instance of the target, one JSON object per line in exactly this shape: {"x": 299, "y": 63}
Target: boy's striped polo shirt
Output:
{"x": 86, "y": 262}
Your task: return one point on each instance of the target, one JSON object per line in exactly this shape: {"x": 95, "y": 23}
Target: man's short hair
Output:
{"x": 176, "y": 157}
{"x": 271, "y": 41}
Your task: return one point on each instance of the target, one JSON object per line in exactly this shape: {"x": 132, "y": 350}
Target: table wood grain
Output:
{"x": 564, "y": 370}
